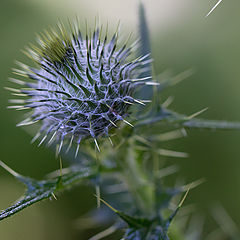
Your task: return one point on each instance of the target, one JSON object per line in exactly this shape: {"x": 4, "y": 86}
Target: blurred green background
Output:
{"x": 182, "y": 38}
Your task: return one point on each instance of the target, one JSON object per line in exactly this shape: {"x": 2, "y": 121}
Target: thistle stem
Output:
{"x": 138, "y": 182}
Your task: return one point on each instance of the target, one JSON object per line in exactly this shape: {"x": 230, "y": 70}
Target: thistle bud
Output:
{"x": 82, "y": 86}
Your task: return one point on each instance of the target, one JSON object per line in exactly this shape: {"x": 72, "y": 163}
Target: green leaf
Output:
{"x": 40, "y": 190}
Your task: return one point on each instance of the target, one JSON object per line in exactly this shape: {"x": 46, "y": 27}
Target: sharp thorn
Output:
{"x": 137, "y": 101}
{"x": 35, "y": 137}
{"x": 51, "y": 139}
{"x": 110, "y": 140}
{"x": 43, "y": 139}
{"x": 70, "y": 144}
{"x": 77, "y": 149}
{"x": 8, "y": 169}
{"x": 128, "y": 123}
{"x": 96, "y": 143}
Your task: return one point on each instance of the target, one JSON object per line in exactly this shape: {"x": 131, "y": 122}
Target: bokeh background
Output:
{"x": 181, "y": 38}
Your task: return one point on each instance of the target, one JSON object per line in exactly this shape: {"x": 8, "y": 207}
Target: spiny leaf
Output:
{"x": 171, "y": 117}
{"x": 155, "y": 230}
{"x": 133, "y": 222}
{"x": 40, "y": 190}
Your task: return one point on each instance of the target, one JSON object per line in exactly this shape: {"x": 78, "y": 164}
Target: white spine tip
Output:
{"x": 96, "y": 143}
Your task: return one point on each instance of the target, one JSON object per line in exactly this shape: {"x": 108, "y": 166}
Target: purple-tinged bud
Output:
{"x": 82, "y": 86}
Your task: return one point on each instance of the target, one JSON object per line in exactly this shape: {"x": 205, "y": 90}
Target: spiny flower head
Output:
{"x": 82, "y": 86}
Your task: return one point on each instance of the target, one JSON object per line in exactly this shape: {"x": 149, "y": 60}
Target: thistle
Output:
{"x": 83, "y": 86}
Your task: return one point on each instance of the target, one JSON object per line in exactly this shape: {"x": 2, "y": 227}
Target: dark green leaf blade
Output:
{"x": 143, "y": 34}
{"x": 144, "y": 49}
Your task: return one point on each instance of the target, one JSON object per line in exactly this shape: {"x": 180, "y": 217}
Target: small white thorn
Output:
{"x": 60, "y": 146}
{"x": 20, "y": 64}
{"x": 181, "y": 76}
{"x": 96, "y": 143}
{"x": 51, "y": 139}
{"x": 143, "y": 140}
{"x": 8, "y": 169}
{"x": 112, "y": 123}
{"x": 17, "y": 107}
{"x": 107, "y": 105}
{"x": 128, "y": 123}
{"x": 168, "y": 102}
{"x": 110, "y": 140}
{"x": 54, "y": 196}
{"x": 140, "y": 102}
{"x": 141, "y": 79}
{"x": 128, "y": 102}
{"x": 170, "y": 135}
{"x": 145, "y": 101}
{"x": 152, "y": 83}
{"x": 184, "y": 132}
{"x": 183, "y": 199}
{"x": 170, "y": 153}
{"x": 43, "y": 139}
{"x": 70, "y": 144}
{"x": 197, "y": 113}
{"x": 19, "y": 94}
{"x": 19, "y": 72}
{"x": 20, "y": 82}
{"x": 22, "y": 108}
{"x": 35, "y": 137}
{"x": 25, "y": 122}
{"x": 17, "y": 101}
{"x": 167, "y": 171}
{"x": 12, "y": 89}
{"x": 213, "y": 8}
{"x": 144, "y": 57}
{"x": 194, "y": 184}
{"x": 77, "y": 149}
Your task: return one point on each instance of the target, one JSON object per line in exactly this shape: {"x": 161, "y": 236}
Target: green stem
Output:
{"x": 138, "y": 182}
